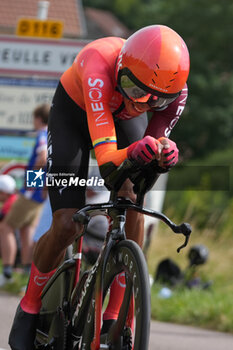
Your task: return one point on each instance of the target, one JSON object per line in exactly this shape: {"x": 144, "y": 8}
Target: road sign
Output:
{"x": 30, "y": 69}
{"x": 37, "y": 56}
{"x": 34, "y": 27}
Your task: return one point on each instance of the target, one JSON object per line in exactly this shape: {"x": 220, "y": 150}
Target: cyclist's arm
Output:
{"x": 162, "y": 122}
{"x": 97, "y": 93}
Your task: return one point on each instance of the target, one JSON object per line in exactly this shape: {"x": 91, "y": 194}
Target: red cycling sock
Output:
{"x": 117, "y": 291}
{"x": 31, "y": 302}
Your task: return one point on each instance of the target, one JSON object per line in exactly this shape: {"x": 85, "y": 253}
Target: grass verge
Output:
{"x": 211, "y": 308}
{"x": 19, "y": 283}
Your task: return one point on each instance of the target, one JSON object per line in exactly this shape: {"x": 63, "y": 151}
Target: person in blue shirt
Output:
{"x": 24, "y": 213}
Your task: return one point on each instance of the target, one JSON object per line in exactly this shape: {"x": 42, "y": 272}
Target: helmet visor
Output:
{"x": 136, "y": 94}
{"x": 132, "y": 91}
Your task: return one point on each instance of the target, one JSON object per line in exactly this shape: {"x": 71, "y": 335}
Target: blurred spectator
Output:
{"x": 25, "y": 211}
{"x": 7, "y": 194}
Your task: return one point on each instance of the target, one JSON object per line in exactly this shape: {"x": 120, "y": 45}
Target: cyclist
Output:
{"x": 101, "y": 101}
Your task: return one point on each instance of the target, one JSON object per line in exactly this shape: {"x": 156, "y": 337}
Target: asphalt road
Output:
{"x": 164, "y": 336}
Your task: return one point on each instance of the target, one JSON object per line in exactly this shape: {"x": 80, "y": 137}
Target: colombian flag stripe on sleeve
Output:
{"x": 103, "y": 140}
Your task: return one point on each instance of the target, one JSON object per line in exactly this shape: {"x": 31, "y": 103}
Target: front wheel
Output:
{"x": 132, "y": 328}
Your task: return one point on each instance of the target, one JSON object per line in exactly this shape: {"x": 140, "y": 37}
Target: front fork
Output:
{"x": 77, "y": 251}
{"x": 117, "y": 233}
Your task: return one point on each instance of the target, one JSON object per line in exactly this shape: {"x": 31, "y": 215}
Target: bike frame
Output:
{"x": 116, "y": 233}
{"x": 94, "y": 278}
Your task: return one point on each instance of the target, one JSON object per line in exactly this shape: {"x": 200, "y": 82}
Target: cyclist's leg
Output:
{"x": 117, "y": 291}
{"x": 127, "y": 132}
{"x": 24, "y": 326}
{"x": 68, "y": 148}
{"x": 68, "y": 153}
{"x": 49, "y": 252}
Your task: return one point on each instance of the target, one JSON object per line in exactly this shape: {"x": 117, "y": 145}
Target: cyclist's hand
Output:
{"x": 145, "y": 150}
{"x": 170, "y": 153}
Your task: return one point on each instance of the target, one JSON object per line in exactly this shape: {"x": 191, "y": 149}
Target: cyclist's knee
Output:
{"x": 63, "y": 227}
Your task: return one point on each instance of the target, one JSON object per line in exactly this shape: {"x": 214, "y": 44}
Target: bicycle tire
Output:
{"x": 126, "y": 256}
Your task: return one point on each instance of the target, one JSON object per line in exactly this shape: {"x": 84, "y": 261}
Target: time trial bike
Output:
{"x": 73, "y": 301}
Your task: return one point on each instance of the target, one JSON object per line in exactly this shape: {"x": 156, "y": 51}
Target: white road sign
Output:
{"x": 36, "y": 56}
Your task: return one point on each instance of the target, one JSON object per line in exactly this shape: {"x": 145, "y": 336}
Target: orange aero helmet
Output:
{"x": 154, "y": 61}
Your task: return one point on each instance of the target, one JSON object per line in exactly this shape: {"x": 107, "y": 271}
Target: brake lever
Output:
{"x": 184, "y": 244}
{"x": 186, "y": 229}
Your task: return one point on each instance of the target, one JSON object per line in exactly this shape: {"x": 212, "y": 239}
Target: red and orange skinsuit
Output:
{"x": 91, "y": 83}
